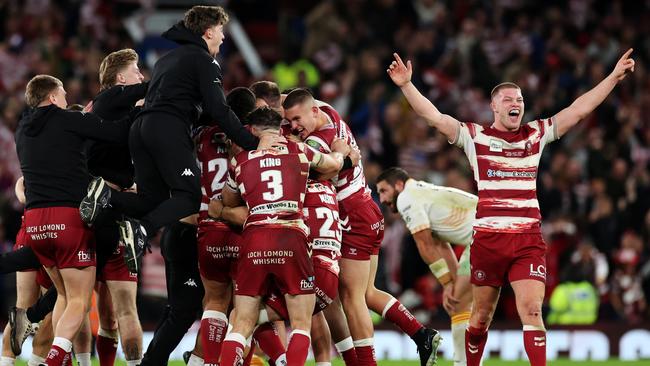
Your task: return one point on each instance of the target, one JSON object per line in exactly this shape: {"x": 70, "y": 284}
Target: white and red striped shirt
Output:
{"x": 505, "y": 170}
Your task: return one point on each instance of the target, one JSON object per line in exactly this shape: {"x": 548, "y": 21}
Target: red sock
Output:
{"x": 350, "y": 357}
{"x": 365, "y": 352}
{"x": 106, "y": 346}
{"x": 58, "y": 357}
{"x": 269, "y": 341}
{"x": 213, "y": 329}
{"x": 298, "y": 348}
{"x": 535, "y": 345}
{"x": 232, "y": 350}
{"x": 249, "y": 357}
{"x": 475, "y": 340}
{"x": 400, "y": 316}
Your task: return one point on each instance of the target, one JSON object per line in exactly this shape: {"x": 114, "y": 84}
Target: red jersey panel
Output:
{"x": 322, "y": 217}
{"x": 212, "y": 156}
{"x": 350, "y": 182}
{"x": 273, "y": 184}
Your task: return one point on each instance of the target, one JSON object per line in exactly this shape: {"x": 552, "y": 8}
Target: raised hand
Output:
{"x": 624, "y": 66}
{"x": 398, "y": 72}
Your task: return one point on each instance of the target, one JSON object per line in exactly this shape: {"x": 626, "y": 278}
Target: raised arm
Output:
{"x": 586, "y": 103}
{"x": 401, "y": 76}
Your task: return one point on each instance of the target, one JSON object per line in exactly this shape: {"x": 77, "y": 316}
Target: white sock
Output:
{"x": 195, "y": 361}
{"x": 135, "y": 362}
{"x": 110, "y": 333}
{"x": 62, "y": 343}
{"x": 35, "y": 360}
{"x": 83, "y": 359}
{"x": 7, "y": 361}
{"x": 344, "y": 345}
{"x": 458, "y": 337}
{"x": 323, "y": 364}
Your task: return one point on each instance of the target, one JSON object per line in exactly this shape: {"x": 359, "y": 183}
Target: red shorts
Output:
{"x": 115, "y": 268}
{"x": 59, "y": 238}
{"x": 493, "y": 256}
{"x": 326, "y": 287}
{"x": 274, "y": 254}
{"x": 218, "y": 248}
{"x": 363, "y": 230}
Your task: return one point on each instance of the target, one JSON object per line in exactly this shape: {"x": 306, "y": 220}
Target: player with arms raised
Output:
{"x": 507, "y": 243}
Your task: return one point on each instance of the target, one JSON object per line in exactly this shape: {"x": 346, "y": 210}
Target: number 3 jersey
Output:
{"x": 273, "y": 184}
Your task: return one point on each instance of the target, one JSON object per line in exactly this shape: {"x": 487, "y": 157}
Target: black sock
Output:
{"x": 420, "y": 336}
{"x": 44, "y": 305}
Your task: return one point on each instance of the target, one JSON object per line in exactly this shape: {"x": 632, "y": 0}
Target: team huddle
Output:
{"x": 265, "y": 214}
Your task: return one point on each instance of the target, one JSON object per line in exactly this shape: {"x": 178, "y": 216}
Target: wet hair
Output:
{"x": 393, "y": 175}
{"x": 265, "y": 118}
{"x": 242, "y": 101}
{"x": 112, "y": 65}
{"x": 39, "y": 88}
{"x": 202, "y": 17}
{"x": 297, "y": 96}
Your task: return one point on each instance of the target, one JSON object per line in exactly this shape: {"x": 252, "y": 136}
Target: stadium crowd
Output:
{"x": 593, "y": 185}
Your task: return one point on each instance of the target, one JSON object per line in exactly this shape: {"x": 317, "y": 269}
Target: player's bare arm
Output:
{"x": 231, "y": 197}
{"x": 586, "y": 103}
{"x": 439, "y": 256}
{"x": 233, "y": 215}
{"x": 401, "y": 73}
{"x": 330, "y": 164}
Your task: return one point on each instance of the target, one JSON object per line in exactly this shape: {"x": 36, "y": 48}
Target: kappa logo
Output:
{"x": 190, "y": 282}
{"x": 187, "y": 173}
{"x": 217, "y": 81}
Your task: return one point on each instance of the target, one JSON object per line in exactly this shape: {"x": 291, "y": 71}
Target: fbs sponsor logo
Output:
{"x": 307, "y": 284}
{"x": 84, "y": 256}
{"x": 540, "y": 271}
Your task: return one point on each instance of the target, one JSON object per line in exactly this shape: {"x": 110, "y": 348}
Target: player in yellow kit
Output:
{"x": 437, "y": 216}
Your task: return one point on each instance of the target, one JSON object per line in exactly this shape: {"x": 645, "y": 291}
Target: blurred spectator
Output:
{"x": 575, "y": 300}
{"x": 627, "y": 296}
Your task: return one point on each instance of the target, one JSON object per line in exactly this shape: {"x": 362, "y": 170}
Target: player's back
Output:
{"x": 212, "y": 156}
{"x": 448, "y": 212}
{"x": 273, "y": 183}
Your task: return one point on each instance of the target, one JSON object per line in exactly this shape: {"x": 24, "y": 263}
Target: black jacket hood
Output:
{"x": 33, "y": 119}
{"x": 181, "y": 35}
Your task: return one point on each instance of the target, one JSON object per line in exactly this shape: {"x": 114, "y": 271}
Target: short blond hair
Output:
{"x": 39, "y": 88}
{"x": 506, "y": 85}
{"x": 112, "y": 65}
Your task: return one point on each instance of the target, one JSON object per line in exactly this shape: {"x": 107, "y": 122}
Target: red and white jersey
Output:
{"x": 349, "y": 182}
{"x": 212, "y": 156}
{"x": 273, "y": 184}
{"x": 505, "y": 170}
{"x": 322, "y": 217}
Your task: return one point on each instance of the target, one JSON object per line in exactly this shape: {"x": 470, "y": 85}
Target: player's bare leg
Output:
{"x": 338, "y": 326}
{"x": 243, "y": 320}
{"x": 123, "y": 294}
{"x": 300, "y": 308}
{"x": 353, "y": 284}
{"x": 485, "y": 303}
{"x": 107, "y": 335}
{"x": 321, "y": 340}
{"x": 27, "y": 292}
{"x": 81, "y": 344}
{"x": 74, "y": 287}
{"x": 460, "y": 317}
{"x": 427, "y": 340}
{"x": 529, "y": 295}
{"x": 42, "y": 341}
{"x": 214, "y": 321}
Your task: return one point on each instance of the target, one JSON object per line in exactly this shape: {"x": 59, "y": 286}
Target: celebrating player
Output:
{"x": 505, "y": 155}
